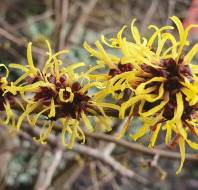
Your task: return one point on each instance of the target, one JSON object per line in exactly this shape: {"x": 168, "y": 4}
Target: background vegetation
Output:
{"x": 100, "y": 164}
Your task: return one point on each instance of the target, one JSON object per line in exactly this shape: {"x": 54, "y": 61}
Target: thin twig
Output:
{"x": 61, "y": 9}
{"x": 80, "y": 21}
{"x": 73, "y": 176}
{"x": 94, "y": 176}
{"x": 64, "y": 15}
{"x": 94, "y": 153}
{"x": 138, "y": 148}
{"x": 107, "y": 151}
{"x": 34, "y": 19}
{"x": 141, "y": 149}
{"x": 171, "y": 8}
{"x": 11, "y": 37}
{"x": 148, "y": 16}
{"x": 41, "y": 165}
{"x": 154, "y": 164}
{"x": 104, "y": 180}
{"x": 51, "y": 170}
{"x": 108, "y": 174}
{"x": 19, "y": 41}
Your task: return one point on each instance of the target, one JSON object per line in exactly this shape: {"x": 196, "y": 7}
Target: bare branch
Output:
{"x": 80, "y": 20}
{"x": 149, "y": 15}
{"x": 107, "y": 159}
{"x": 141, "y": 149}
{"x": 51, "y": 170}
{"x": 19, "y": 41}
{"x": 94, "y": 153}
{"x": 34, "y": 19}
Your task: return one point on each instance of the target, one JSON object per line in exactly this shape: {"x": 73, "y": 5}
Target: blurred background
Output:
{"x": 24, "y": 165}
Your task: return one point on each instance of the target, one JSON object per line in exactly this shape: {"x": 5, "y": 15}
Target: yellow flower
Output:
{"x": 7, "y": 99}
{"x": 163, "y": 82}
{"x": 167, "y": 92}
{"x": 58, "y": 95}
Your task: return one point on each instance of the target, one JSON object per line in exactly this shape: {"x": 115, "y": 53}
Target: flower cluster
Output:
{"x": 54, "y": 96}
{"x": 161, "y": 79}
{"x": 152, "y": 79}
